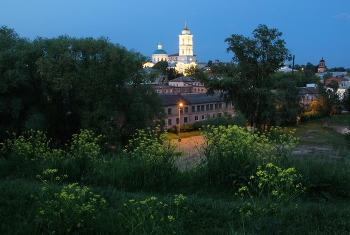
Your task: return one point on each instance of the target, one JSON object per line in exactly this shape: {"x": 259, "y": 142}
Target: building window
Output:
{"x": 203, "y": 117}
{"x": 207, "y": 107}
{"x": 216, "y": 106}
{"x": 184, "y": 89}
{"x": 186, "y": 109}
{"x": 169, "y": 122}
{"x": 211, "y": 107}
{"x": 177, "y": 120}
{"x": 171, "y": 90}
{"x": 202, "y": 108}
{"x": 185, "y": 120}
{"x": 214, "y": 115}
{"x": 198, "y": 108}
{"x": 219, "y": 114}
{"x": 169, "y": 111}
{"x": 193, "y": 109}
{"x": 196, "y": 118}
{"x": 220, "y": 105}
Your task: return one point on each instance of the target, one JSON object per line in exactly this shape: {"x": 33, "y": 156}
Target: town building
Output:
{"x": 308, "y": 94}
{"x": 196, "y": 107}
{"x": 181, "y": 85}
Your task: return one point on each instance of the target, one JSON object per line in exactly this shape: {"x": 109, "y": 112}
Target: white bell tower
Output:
{"x": 186, "y": 57}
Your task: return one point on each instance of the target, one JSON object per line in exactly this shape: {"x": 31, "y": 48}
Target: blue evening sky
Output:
{"x": 312, "y": 29}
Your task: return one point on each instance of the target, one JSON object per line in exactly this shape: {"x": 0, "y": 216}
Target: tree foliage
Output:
{"x": 63, "y": 84}
{"x": 327, "y": 101}
{"x": 194, "y": 71}
{"x": 346, "y": 100}
{"x": 250, "y": 87}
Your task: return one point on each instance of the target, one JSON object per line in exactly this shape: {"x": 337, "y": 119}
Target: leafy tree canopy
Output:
{"x": 63, "y": 84}
{"x": 250, "y": 88}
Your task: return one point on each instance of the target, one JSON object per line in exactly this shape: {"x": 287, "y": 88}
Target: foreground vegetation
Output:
{"x": 244, "y": 184}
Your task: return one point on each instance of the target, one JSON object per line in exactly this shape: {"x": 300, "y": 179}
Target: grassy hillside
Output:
{"x": 244, "y": 186}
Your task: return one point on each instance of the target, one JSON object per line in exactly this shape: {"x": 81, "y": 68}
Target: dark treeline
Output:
{"x": 64, "y": 84}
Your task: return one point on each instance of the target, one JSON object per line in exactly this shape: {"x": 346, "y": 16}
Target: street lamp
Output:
{"x": 180, "y": 106}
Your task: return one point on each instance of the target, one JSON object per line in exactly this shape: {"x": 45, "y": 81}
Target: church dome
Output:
{"x": 160, "y": 50}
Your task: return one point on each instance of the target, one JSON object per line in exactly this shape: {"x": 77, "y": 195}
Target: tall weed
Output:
{"x": 152, "y": 160}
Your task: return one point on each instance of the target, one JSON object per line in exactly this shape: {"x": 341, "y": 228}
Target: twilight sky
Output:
{"x": 311, "y": 29}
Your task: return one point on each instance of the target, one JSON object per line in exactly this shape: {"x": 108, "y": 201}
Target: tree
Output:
{"x": 327, "y": 75}
{"x": 309, "y": 69}
{"x": 161, "y": 68}
{"x": 287, "y": 97}
{"x": 223, "y": 70}
{"x": 250, "y": 88}
{"x": 19, "y": 89}
{"x": 327, "y": 101}
{"x": 194, "y": 71}
{"x": 210, "y": 63}
{"x": 94, "y": 84}
{"x": 64, "y": 84}
{"x": 346, "y": 100}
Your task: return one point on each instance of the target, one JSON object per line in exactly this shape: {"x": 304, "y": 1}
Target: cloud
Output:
{"x": 344, "y": 16}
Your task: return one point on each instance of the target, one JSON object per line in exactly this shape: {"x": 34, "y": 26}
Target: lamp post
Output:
{"x": 180, "y": 106}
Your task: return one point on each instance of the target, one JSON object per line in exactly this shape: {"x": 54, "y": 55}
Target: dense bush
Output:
{"x": 232, "y": 154}
{"x": 310, "y": 115}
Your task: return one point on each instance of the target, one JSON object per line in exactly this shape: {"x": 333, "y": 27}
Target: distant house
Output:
{"x": 329, "y": 80}
{"x": 196, "y": 107}
{"x": 308, "y": 94}
{"x": 286, "y": 69}
{"x": 181, "y": 85}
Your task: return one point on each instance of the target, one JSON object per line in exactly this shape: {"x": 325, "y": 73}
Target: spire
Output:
{"x": 185, "y": 25}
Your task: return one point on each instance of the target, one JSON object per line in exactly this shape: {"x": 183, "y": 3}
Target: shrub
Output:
{"x": 265, "y": 198}
{"x": 152, "y": 160}
{"x": 84, "y": 151}
{"x": 31, "y": 145}
{"x": 24, "y": 155}
{"x": 73, "y": 209}
{"x": 310, "y": 115}
{"x": 151, "y": 216}
{"x": 232, "y": 153}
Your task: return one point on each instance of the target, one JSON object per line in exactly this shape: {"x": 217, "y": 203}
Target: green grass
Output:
{"x": 320, "y": 134}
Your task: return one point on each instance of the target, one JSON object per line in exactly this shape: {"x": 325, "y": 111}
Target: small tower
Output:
{"x": 321, "y": 66}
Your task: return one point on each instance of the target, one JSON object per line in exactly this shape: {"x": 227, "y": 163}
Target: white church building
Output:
{"x": 181, "y": 60}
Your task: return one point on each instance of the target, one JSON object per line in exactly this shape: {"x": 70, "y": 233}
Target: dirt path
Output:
{"x": 190, "y": 146}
